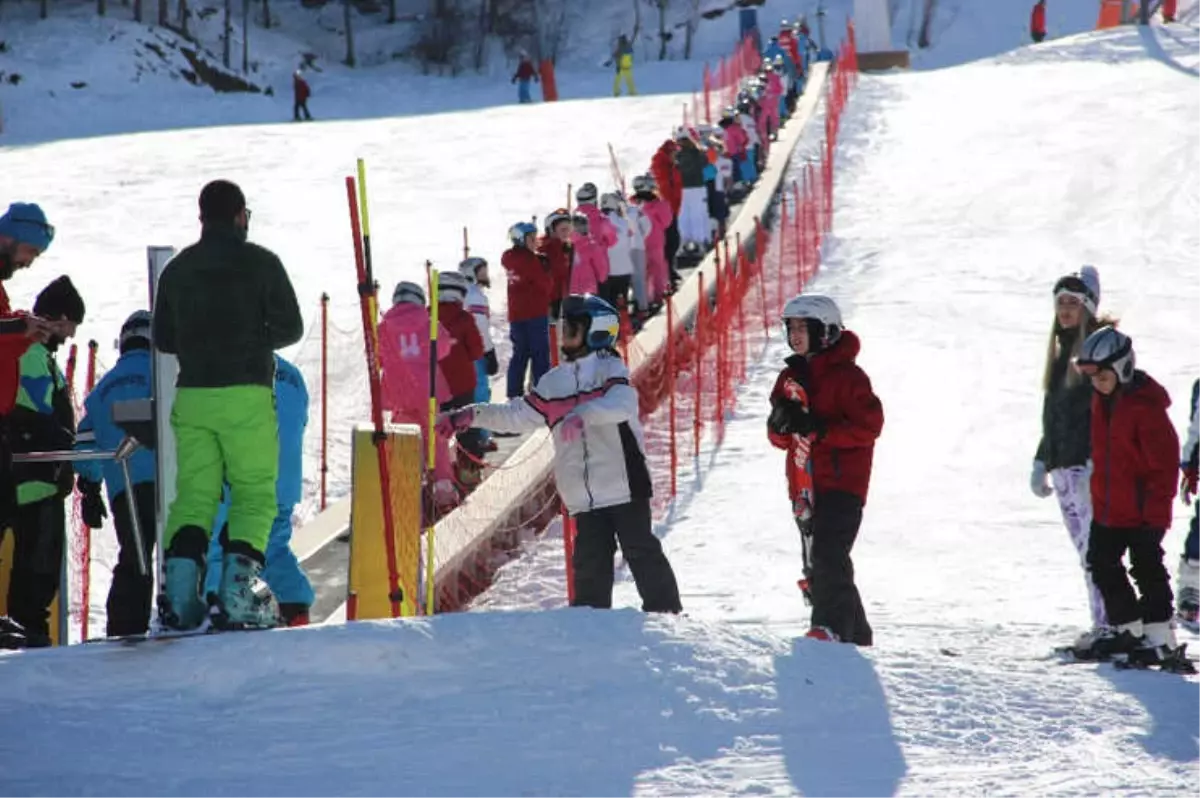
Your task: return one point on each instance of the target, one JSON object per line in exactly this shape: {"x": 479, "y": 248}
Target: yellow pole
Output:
{"x": 431, "y": 455}
{"x": 365, "y": 215}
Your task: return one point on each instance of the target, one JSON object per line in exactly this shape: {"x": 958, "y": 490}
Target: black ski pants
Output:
{"x": 671, "y": 247}
{"x": 129, "y": 597}
{"x": 597, "y": 535}
{"x": 837, "y": 606}
{"x": 40, "y": 529}
{"x": 1106, "y": 550}
{"x": 616, "y": 290}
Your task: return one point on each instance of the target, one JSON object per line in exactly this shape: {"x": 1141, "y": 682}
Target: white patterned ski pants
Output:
{"x": 1071, "y": 486}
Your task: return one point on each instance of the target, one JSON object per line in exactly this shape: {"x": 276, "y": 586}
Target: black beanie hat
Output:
{"x": 221, "y": 201}
{"x": 60, "y": 299}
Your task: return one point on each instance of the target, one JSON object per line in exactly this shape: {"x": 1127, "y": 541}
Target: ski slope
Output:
{"x": 962, "y": 195}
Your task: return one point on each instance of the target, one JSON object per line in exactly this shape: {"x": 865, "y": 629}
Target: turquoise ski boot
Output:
{"x": 181, "y": 607}
{"x": 245, "y": 601}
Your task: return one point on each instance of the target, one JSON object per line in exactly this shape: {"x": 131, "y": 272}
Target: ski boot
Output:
{"x": 291, "y": 614}
{"x": 12, "y": 634}
{"x": 1158, "y": 649}
{"x": 1110, "y": 643}
{"x": 823, "y": 633}
{"x": 180, "y": 607}
{"x": 1087, "y": 639}
{"x": 239, "y": 603}
{"x": 1188, "y": 582}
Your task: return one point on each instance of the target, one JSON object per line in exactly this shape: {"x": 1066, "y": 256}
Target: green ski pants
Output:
{"x": 225, "y": 435}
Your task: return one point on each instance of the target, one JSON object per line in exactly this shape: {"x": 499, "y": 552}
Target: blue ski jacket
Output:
{"x": 774, "y": 49}
{"x": 128, "y": 379}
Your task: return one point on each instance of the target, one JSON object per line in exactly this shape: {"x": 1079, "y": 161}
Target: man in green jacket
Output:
{"x": 223, "y": 307}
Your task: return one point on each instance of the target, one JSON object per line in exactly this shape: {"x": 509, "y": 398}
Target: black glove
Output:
{"x": 789, "y": 417}
{"x": 92, "y": 507}
{"x": 493, "y": 363}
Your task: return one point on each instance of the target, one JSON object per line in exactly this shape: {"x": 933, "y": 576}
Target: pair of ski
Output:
{"x": 1177, "y": 662}
{"x": 802, "y": 503}
{"x": 163, "y": 634}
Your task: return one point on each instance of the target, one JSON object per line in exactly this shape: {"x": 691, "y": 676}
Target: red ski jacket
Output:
{"x": 300, "y": 89}
{"x": 458, "y": 367}
{"x": 530, "y": 284}
{"x": 1134, "y": 456}
{"x": 1037, "y": 19}
{"x": 841, "y": 398}
{"x": 666, "y": 175}
{"x": 558, "y": 257}
{"x": 13, "y": 343}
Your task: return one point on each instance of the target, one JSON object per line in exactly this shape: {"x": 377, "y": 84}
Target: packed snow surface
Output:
{"x": 962, "y": 195}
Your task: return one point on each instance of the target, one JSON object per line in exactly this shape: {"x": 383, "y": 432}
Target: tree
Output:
{"x": 267, "y": 14}
{"x": 164, "y": 13}
{"x": 245, "y": 37}
{"x": 45, "y": 8}
{"x": 391, "y": 12}
{"x": 349, "y": 33}
{"x": 923, "y": 39}
{"x": 137, "y": 10}
{"x": 228, "y": 32}
{"x": 693, "y": 19}
{"x": 664, "y": 35}
{"x": 101, "y": 7}
{"x": 185, "y": 14}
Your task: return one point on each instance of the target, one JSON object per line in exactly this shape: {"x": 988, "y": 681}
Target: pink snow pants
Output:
{"x": 656, "y": 269}
{"x": 1073, "y": 489}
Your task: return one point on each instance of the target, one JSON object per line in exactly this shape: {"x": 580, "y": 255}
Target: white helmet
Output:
{"x": 1108, "y": 348}
{"x": 586, "y": 194}
{"x": 823, "y": 317}
{"x": 410, "y": 292}
{"x": 643, "y": 184}
{"x": 469, "y": 268}
{"x": 556, "y": 216}
{"x": 452, "y": 287}
{"x": 610, "y": 201}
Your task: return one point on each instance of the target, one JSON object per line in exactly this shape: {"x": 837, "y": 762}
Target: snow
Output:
{"x": 962, "y": 195}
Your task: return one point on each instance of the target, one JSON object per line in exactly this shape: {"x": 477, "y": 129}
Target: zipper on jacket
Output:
{"x": 583, "y": 439}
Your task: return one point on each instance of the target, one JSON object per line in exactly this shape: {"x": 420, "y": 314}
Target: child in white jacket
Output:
{"x": 620, "y": 254}
{"x": 599, "y": 456}
{"x": 640, "y": 226}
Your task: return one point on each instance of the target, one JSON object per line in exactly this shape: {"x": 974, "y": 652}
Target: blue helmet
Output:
{"x": 599, "y": 320}
{"x": 517, "y": 233}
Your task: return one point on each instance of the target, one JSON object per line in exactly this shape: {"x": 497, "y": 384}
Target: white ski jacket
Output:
{"x": 477, "y": 305}
{"x": 607, "y": 465}
{"x": 620, "y": 254}
{"x": 640, "y": 225}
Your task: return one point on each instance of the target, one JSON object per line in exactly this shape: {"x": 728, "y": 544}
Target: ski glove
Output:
{"x": 792, "y": 418}
{"x": 492, "y": 363}
{"x": 1039, "y": 480}
{"x": 455, "y": 421}
{"x": 92, "y": 505}
{"x": 1187, "y": 484}
{"x": 570, "y": 429}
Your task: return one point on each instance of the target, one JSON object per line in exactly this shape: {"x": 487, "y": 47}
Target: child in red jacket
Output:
{"x": 459, "y": 368}
{"x": 827, "y": 418}
{"x": 530, "y": 292}
{"x": 1134, "y": 448}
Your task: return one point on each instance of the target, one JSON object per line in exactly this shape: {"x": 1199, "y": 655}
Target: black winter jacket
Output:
{"x": 1066, "y": 414}
{"x": 691, "y": 162}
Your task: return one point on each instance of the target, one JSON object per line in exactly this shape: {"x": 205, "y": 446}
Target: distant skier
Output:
{"x": 300, "y": 94}
{"x": 131, "y": 591}
{"x": 1134, "y": 451}
{"x": 524, "y": 74}
{"x": 475, "y": 270}
{"x": 223, "y": 307}
{"x": 1063, "y": 462}
{"x": 599, "y": 456}
{"x": 623, "y": 60}
{"x": 1189, "y": 563}
{"x": 842, "y": 418}
{"x": 1037, "y": 22}
{"x": 530, "y": 292}
{"x": 43, "y": 420}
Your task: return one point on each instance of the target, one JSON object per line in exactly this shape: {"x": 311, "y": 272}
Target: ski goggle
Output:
{"x": 1088, "y": 369}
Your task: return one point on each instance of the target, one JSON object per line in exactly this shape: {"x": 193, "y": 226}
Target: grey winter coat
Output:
{"x": 1066, "y": 416}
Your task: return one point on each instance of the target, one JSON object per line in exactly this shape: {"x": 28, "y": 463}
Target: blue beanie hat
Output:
{"x": 26, "y": 224}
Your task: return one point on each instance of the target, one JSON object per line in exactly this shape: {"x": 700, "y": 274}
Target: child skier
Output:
{"x": 43, "y": 420}
{"x": 599, "y": 459}
{"x": 1062, "y": 463}
{"x": 131, "y": 591}
{"x": 590, "y": 269}
{"x": 620, "y": 254}
{"x": 658, "y": 211}
{"x": 556, "y": 248}
{"x": 1133, "y": 483}
{"x": 694, "y": 230}
{"x": 475, "y": 270}
{"x": 283, "y": 574}
{"x": 1189, "y": 563}
{"x": 459, "y": 368}
{"x": 530, "y": 289}
{"x": 840, "y": 420}
{"x": 525, "y": 73}
{"x": 404, "y": 356}
{"x": 640, "y": 228}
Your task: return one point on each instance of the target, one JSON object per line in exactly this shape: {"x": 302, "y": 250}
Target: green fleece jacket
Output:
{"x": 223, "y": 307}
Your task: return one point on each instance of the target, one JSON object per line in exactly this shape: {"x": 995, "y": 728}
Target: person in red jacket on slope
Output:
{"x": 824, "y": 411}
{"x": 459, "y": 366}
{"x": 530, "y": 290}
{"x": 555, "y": 248}
{"x": 301, "y": 91}
{"x": 1037, "y": 22}
{"x": 669, "y": 183}
{"x": 1133, "y": 484}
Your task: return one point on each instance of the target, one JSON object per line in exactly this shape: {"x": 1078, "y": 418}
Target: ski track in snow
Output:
{"x": 962, "y": 195}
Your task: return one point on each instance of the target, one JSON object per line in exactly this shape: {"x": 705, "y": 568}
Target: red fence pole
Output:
{"x": 698, "y": 334}
{"x": 324, "y": 396}
{"x": 722, "y": 332}
{"x": 85, "y": 555}
{"x": 671, "y": 390}
{"x": 707, "y": 95}
{"x": 568, "y": 530}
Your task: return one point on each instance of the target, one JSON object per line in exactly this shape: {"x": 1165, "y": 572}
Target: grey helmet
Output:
{"x": 586, "y": 195}
{"x": 1108, "y": 348}
{"x": 409, "y": 292}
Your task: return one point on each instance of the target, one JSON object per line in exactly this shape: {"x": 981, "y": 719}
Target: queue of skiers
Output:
{"x": 1110, "y": 455}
